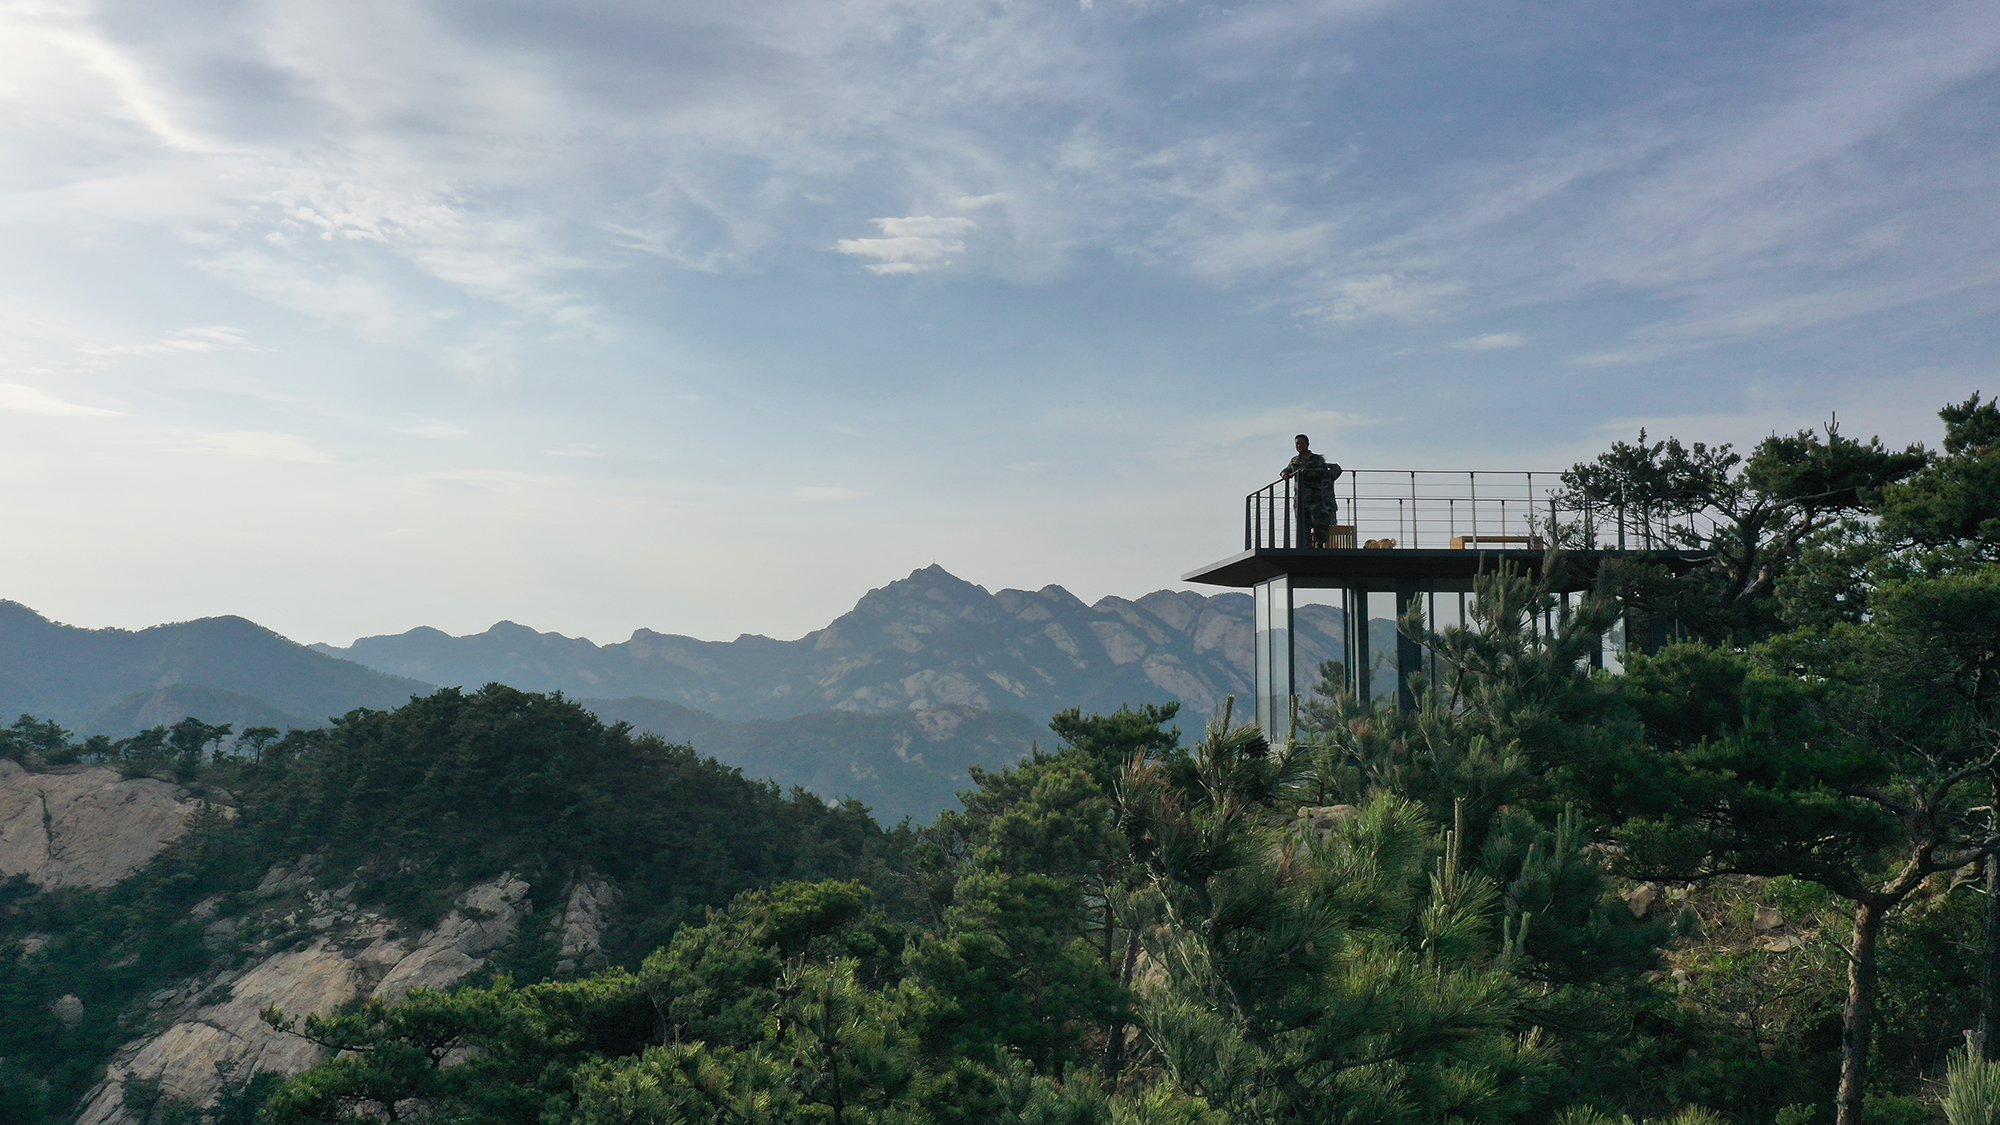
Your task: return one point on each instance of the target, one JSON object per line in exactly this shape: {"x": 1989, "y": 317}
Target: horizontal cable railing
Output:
{"x": 1472, "y": 510}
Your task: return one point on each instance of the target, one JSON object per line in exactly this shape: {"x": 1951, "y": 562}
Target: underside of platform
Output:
{"x": 1439, "y": 569}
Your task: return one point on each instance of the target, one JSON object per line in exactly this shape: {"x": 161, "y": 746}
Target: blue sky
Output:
{"x": 708, "y": 318}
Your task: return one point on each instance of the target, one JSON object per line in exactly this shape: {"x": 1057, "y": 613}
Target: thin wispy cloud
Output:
{"x": 911, "y": 245}
{"x": 1491, "y": 341}
{"x": 827, "y": 493}
{"x": 1149, "y": 242}
{"x": 259, "y": 446}
{"x": 17, "y": 398}
{"x": 185, "y": 341}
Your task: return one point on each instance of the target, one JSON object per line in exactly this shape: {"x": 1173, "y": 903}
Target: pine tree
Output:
{"x": 1350, "y": 973}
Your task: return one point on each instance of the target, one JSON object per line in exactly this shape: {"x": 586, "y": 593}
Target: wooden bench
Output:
{"x": 1531, "y": 542}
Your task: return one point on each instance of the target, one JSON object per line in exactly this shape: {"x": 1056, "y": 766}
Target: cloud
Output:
{"x": 185, "y": 341}
{"x": 18, "y": 399}
{"x": 351, "y": 295}
{"x": 439, "y": 431}
{"x": 1489, "y": 342}
{"x": 1271, "y": 426}
{"x": 260, "y": 446}
{"x": 1842, "y": 186}
{"x": 1383, "y": 296}
{"x": 915, "y": 244}
{"x": 1610, "y": 358}
{"x": 502, "y": 154}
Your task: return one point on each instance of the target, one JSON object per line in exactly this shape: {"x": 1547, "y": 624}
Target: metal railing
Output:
{"x": 1436, "y": 508}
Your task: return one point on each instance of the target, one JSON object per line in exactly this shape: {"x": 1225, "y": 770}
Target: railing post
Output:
{"x": 1266, "y": 527}
{"x": 1472, "y": 490}
{"x": 1413, "y": 510}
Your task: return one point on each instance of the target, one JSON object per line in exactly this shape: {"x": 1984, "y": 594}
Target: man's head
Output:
{"x": 1303, "y": 443}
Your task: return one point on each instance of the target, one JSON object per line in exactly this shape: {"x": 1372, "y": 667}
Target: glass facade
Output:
{"x": 1321, "y": 635}
{"x": 1272, "y": 644}
{"x": 1303, "y": 631}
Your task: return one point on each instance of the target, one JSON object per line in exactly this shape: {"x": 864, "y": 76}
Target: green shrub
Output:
{"x": 1972, "y": 1090}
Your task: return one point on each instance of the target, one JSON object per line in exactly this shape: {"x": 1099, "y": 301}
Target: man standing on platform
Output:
{"x": 1312, "y": 494}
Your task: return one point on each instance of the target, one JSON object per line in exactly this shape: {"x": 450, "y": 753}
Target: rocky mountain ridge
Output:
{"x": 918, "y": 643}
{"x": 890, "y": 703}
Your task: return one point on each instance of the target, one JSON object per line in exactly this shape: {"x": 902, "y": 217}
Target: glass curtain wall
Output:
{"x": 1320, "y": 637}
{"x": 1272, "y": 644}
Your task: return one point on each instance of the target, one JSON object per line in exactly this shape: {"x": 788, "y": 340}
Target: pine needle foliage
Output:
{"x": 1972, "y": 1088}
{"x": 1345, "y": 974}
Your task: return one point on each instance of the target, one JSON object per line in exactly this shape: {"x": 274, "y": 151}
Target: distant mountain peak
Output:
{"x": 926, "y": 640}
{"x": 516, "y": 629}
{"x": 226, "y": 668}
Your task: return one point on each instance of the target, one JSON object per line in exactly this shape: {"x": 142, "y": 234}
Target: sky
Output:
{"x": 707, "y": 318}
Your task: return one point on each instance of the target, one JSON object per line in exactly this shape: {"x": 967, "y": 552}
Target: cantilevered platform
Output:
{"x": 1404, "y": 540}
{"x": 1392, "y": 568}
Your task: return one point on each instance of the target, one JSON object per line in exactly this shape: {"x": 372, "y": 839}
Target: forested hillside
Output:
{"x": 899, "y": 763}
{"x": 380, "y": 820}
{"x": 1748, "y": 878}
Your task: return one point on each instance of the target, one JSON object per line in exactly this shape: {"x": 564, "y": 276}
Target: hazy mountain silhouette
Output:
{"x": 925, "y": 641}
{"x": 224, "y": 669}
{"x": 905, "y": 763}
{"x": 890, "y": 703}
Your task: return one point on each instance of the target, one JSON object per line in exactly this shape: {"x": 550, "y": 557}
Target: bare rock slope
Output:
{"x": 322, "y": 952}
{"x": 85, "y": 826}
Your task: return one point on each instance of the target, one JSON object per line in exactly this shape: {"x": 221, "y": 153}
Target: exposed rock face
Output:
{"x": 355, "y": 953}
{"x": 85, "y": 827}
{"x": 580, "y": 929}
{"x": 69, "y": 1009}
{"x": 1642, "y": 898}
{"x": 1322, "y": 819}
{"x": 486, "y": 918}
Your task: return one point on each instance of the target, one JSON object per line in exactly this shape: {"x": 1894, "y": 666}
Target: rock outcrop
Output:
{"x": 579, "y": 932}
{"x": 85, "y": 826}
{"x": 213, "y": 1027}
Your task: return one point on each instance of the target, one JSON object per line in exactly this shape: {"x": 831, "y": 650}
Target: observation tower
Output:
{"x": 1414, "y": 537}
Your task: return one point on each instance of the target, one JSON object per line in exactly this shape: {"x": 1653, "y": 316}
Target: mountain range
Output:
{"x": 224, "y": 669}
{"x": 925, "y": 641}
{"x": 890, "y": 703}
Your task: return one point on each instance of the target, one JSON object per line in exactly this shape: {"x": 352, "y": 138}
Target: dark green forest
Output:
{"x": 1748, "y": 876}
